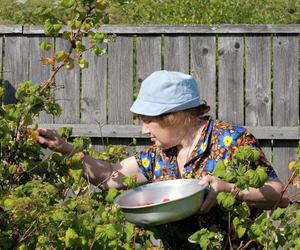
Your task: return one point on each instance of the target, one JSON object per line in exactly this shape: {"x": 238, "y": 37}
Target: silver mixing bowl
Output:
{"x": 161, "y": 202}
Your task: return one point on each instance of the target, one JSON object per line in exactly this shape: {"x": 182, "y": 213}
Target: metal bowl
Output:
{"x": 161, "y": 202}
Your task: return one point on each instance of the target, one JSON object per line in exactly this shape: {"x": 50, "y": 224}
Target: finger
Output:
{"x": 209, "y": 201}
{"x": 47, "y": 133}
{"x": 42, "y": 140}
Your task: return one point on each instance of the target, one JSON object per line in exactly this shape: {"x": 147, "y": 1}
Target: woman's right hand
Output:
{"x": 49, "y": 138}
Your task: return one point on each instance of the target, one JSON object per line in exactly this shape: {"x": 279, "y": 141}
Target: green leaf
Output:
{"x": 111, "y": 195}
{"x": 83, "y": 63}
{"x": 45, "y": 45}
{"x": 76, "y": 174}
{"x": 71, "y": 237}
{"x": 226, "y": 200}
{"x": 253, "y": 178}
{"x": 80, "y": 47}
{"x": 262, "y": 174}
{"x": 65, "y": 132}
{"x": 61, "y": 55}
{"x": 219, "y": 170}
{"x": 254, "y": 155}
{"x": 238, "y": 227}
{"x": 51, "y": 29}
{"x": 68, "y": 3}
{"x": 130, "y": 232}
{"x": 278, "y": 213}
{"x": 2, "y": 91}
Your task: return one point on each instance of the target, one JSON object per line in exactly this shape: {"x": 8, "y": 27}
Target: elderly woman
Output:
{"x": 187, "y": 144}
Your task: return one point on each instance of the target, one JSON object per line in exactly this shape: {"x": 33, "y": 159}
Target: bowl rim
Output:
{"x": 201, "y": 187}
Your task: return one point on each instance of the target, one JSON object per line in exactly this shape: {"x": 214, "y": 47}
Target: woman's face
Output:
{"x": 162, "y": 136}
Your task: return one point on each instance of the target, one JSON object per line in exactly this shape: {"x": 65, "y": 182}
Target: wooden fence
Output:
{"x": 248, "y": 74}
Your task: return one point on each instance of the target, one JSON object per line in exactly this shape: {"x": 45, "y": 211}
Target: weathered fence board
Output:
{"x": 120, "y": 79}
{"x": 1, "y": 49}
{"x": 37, "y": 71}
{"x": 230, "y": 87}
{"x": 176, "y": 56}
{"x": 258, "y": 84}
{"x": 286, "y": 96}
{"x": 203, "y": 68}
{"x": 94, "y": 86}
{"x": 16, "y": 64}
{"x": 68, "y": 90}
{"x": 248, "y": 74}
{"x": 148, "y": 53}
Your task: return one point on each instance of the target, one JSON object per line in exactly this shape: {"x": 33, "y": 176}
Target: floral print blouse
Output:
{"x": 218, "y": 141}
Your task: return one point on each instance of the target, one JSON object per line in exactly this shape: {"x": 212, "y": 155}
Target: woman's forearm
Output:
{"x": 265, "y": 197}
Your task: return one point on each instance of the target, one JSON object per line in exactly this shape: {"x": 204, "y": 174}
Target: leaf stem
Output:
{"x": 290, "y": 180}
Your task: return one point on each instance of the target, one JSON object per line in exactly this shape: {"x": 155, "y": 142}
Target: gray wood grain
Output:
{"x": 11, "y": 29}
{"x": 203, "y": 68}
{"x": 126, "y": 131}
{"x": 68, "y": 89}
{"x": 204, "y": 29}
{"x": 286, "y": 91}
{"x": 176, "y": 53}
{"x": 148, "y": 52}
{"x": 180, "y": 29}
{"x": 94, "y": 88}
{"x": 16, "y": 65}
{"x": 286, "y": 97}
{"x": 258, "y": 97}
{"x": 284, "y": 152}
{"x": 258, "y": 81}
{"x": 38, "y": 72}
{"x": 1, "y": 63}
{"x": 230, "y": 87}
{"x": 120, "y": 80}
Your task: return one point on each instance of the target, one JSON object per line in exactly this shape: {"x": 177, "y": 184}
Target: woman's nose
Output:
{"x": 145, "y": 129}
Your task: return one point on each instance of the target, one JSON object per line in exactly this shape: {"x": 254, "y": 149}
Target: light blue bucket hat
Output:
{"x": 165, "y": 92}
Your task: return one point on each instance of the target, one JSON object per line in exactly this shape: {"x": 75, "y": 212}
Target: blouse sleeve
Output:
{"x": 145, "y": 160}
{"x": 247, "y": 139}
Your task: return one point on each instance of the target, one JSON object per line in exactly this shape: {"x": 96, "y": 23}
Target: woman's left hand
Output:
{"x": 216, "y": 185}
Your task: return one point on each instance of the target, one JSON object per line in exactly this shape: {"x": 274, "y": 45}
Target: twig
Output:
{"x": 290, "y": 180}
{"x": 107, "y": 178}
{"x": 293, "y": 195}
{"x": 40, "y": 163}
{"x": 246, "y": 245}
{"x": 229, "y": 230}
{"x": 27, "y": 233}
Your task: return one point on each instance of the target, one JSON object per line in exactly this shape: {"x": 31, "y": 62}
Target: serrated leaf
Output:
{"x": 219, "y": 170}
{"x": 71, "y": 237}
{"x": 83, "y": 64}
{"x": 226, "y": 200}
{"x": 2, "y": 91}
{"x": 291, "y": 165}
{"x": 51, "y": 29}
{"x": 130, "y": 232}
{"x": 45, "y": 45}
{"x": 262, "y": 174}
{"x": 238, "y": 227}
{"x": 276, "y": 215}
{"x": 61, "y": 55}
{"x": 76, "y": 174}
{"x": 254, "y": 155}
{"x": 254, "y": 180}
{"x": 112, "y": 194}
{"x": 68, "y": 3}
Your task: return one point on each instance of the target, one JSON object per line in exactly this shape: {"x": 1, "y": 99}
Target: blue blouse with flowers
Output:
{"x": 218, "y": 141}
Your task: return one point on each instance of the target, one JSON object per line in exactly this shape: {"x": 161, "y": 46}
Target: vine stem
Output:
{"x": 27, "y": 232}
{"x": 47, "y": 83}
{"x": 290, "y": 180}
{"x": 246, "y": 245}
{"x": 229, "y": 231}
